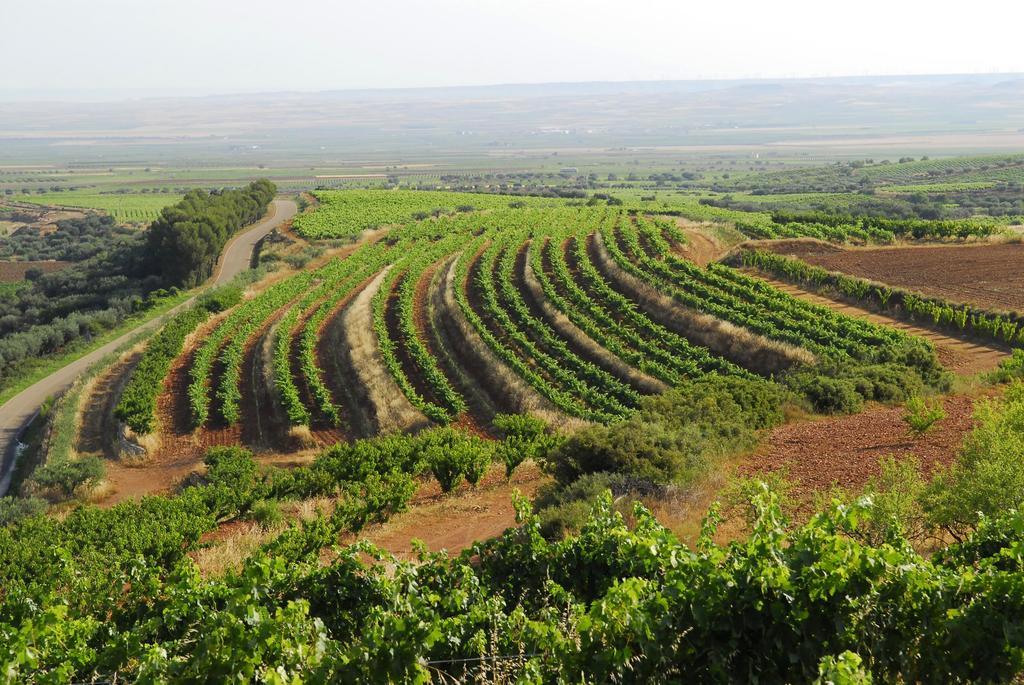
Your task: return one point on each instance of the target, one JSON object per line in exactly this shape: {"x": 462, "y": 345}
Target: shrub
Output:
{"x": 525, "y": 437}
{"x": 448, "y": 467}
{"x": 234, "y": 480}
{"x": 674, "y": 435}
{"x": 845, "y": 669}
{"x": 66, "y": 476}
{"x": 14, "y": 509}
{"x": 220, "y": 299}
{"x": 987, "y": 478}
{"x": 1009, "y": 369}
{"x": 562, "y": 510}
{"x": 895, "y": 510}
{"x": 832, "y": 395}
{"x": 921, "y": 415}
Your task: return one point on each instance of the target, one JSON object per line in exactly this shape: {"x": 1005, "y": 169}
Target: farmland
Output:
{"x": 435, "y": 333}
{"x": 987, "y": 276}
{"x": 435, "y": 350}
{"x": 126, "y": 207}
{"x": 571, "y": 314}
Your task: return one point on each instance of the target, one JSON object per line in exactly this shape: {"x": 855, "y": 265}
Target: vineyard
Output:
{"x": 572, "y": 314}
{"x": 126, "y": 208}
{"x": 345, "y": 213}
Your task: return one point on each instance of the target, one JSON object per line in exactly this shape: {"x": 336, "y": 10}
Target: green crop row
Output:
{"x": 137, "y": 406}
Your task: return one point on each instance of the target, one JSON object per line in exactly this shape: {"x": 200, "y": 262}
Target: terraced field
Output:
{"x": 571, "y": 314}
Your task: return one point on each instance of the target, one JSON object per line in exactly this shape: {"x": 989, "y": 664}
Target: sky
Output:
{"x": 226, "y": 46}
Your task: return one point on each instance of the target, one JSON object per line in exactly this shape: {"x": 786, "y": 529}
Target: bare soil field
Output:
{"x": 12, "y": 272}
{"x": 990, "y": 276}
{"x": 845, "y": 451}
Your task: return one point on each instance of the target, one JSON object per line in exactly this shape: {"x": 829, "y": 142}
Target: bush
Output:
{"x": 66, "y": 476}
{"x": 220, "y": 299}
{"x": 14, "y": 509}
{"x": 674, "y": 435}
{"x": 524, "y": 437}
{"x": 895, "y": 511}
{"x": 450, "y": 464}
{"x": 234, "y": 481}
{"x": 562, "y": 510}
{"x": 886, "y": 382}
{"x": 845, "y": 669}
{"x": 987, "y": 478}
{"x": 1010, "y": 369}
{"x": 829, "y": 395}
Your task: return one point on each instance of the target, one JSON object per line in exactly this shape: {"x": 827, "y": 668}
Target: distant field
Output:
{"x": 344, "y": 213}
{"x": 950, "y": 187}
{"x": 127, "y": 208}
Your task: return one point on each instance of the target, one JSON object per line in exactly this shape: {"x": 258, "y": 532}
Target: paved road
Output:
{"x": 17, "y": 412}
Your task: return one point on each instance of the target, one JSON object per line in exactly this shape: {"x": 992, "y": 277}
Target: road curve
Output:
{"x": 18, "y": 411}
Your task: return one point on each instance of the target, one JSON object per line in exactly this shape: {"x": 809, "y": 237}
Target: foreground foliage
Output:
{"x": 612, "y": 604}
{"x": 114, "y": 594}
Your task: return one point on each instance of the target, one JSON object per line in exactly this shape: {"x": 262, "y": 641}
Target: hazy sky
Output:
{"x": 236, "y": 45}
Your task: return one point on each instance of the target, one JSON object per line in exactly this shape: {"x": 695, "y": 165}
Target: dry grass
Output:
{"x": 230, "y": 553}
{"x": 569, "y": 331}
{"x": 391, "y": 407}
{"x": 227, "y": 548}
{"x": 735, "y": 343}
{"x": 93, "y": 397}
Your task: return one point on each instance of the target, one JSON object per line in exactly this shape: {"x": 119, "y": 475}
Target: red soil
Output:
{"x": 470, "y": 421}
{"x": 817, "y": 454}
{"x": 455, "y": 522}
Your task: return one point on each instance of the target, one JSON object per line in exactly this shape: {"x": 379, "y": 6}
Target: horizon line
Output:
{"x": 53, "y": 95}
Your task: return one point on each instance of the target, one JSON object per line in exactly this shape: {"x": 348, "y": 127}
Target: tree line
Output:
{"x": 183, "y": 244}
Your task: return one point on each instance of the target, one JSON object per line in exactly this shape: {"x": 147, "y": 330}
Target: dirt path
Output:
{"x": 701, "y": 248}
{"x": 961, "y": 356}
{"x": 98, "y": 432}
{"x": 455, "y": 522}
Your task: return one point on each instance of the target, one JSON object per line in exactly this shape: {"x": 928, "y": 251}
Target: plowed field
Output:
{"x": 988, "y": 276}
